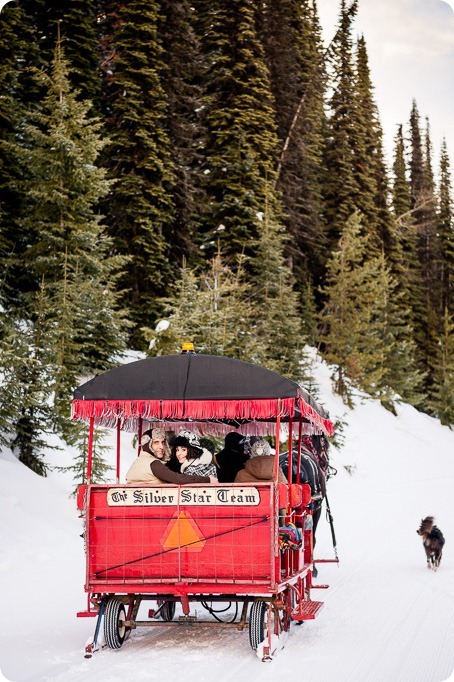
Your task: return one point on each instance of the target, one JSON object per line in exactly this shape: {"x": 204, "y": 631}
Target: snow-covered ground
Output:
{"x": 386, "y": 617}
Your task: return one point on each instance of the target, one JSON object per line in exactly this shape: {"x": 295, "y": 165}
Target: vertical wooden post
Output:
{"x": 90, "y": 449}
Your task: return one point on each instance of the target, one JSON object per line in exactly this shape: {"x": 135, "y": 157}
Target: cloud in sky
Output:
{"x": 411, "y": 53}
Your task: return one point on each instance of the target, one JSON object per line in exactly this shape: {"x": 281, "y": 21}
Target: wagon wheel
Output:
{"x": 114, "y": 623}
{"x": 168, "y": 610}
{"x": 258, "y": 623}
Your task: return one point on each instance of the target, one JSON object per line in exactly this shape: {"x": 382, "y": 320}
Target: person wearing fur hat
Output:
{"x": 188, "y": 456}
{"x": 149, "y": 466}
{"x": 232, "y": 457}
{"x": 260, "y": 467}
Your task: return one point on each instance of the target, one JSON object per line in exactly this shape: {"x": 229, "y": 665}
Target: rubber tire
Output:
{"x": 114, "y": 627}
{"x": 168, "y": 610}
{"x": 257, "y": 619}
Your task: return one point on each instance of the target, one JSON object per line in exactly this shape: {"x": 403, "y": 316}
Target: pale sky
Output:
{"x": 411, "y": 55}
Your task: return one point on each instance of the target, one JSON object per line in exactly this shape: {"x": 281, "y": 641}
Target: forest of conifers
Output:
{"x": 210, "y": 171}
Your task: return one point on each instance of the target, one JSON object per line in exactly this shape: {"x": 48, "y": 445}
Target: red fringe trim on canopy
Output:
{"x": 107, "y": 412}
{"x": 179, "y": 409}
{"x": 307, "y": 411}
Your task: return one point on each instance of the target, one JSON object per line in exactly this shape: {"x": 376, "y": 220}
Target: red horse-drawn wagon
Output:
{"x": 248, "y": 544}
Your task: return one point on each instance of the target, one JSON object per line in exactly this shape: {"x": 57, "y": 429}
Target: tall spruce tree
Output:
{"x": 445, "y": 229}
{"x": 241, "y": 141}
{"x": 408, "y": 270}
{"x": 139, "y": 207}
{"x": 427, "y": 322}
{"x": 68, "y": 257}
{"x": 370, "y": 168}
{"x": 19, "y": 53}
{"x": 27, "y": 365}
{"x": 296, "y": 64}
{"x": 181, "y": 79}
{"x": 362, "y": 331}
{"x": 442, "y": 395}
{"x": 213, "y": 310}
{"x": 278, "y": 320}
{"x": 341, "y": 183}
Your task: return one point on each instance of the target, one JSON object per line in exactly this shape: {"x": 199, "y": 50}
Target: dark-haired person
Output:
{"x": 189, "y": 457}
{"x": 232, "y": 457}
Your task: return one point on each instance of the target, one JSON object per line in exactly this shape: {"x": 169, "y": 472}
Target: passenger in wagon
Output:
{"x": 260, "y": 467}
{"x": 189, "y": 457}
{"x": 232, "y": 457}
{"x": 149, "y": 466}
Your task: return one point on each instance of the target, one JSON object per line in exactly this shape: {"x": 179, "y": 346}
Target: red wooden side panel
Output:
{"x": 194, "y": 533}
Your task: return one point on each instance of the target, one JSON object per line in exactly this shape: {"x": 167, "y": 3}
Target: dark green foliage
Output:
{"x": 364, "y": 333}
{"x": 181, "y": 76}
{"x": 445, "y": 228}
{"x": 426, "y": 309}
{"x": 278, "y": 322}
{"x": 442, "y": 399}
{"x": 341, "y": 184}
{"x": 241, "y": 141}
{"x": 139, "y": 206}
{"x": 295, "y": 61}
{"x": 212, "y": 310}
{"x": 78, "y": 325}
{"x": 99, "y": 468}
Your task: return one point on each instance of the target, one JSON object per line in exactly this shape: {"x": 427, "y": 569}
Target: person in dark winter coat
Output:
{"x": 232, "y": 457}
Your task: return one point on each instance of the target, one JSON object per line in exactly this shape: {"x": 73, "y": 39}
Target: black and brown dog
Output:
{"x": 433, "y": 541}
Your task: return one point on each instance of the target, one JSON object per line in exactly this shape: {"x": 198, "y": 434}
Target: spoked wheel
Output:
{"x": 168, "y": 610}
{"x": 114, "y": 623}
{"x": 258, "y": 623}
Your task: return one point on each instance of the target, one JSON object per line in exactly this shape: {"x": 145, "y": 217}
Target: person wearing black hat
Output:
{"x": 189, "y": 457}
{"x": 232, "y": 457}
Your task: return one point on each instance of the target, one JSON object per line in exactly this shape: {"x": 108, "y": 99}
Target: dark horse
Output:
{"x": 433, "y": 541}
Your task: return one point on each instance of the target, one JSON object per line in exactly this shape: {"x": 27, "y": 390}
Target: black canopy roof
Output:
{"x": 189, "y": 377}
{"x": 193, "y": 377}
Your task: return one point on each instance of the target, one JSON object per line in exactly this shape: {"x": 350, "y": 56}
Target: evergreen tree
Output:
{"x": 139, "y": 206}
{"x": 238, "y": 113}
{"x": 427, "y": 322}
{"x": 181, "y": 79}
{"x": 341, "y": 184}
{"x": 363, "y": 332}
{"x": 370, "y": 168}
{"x": 19, "y": 51}
{"x": 442, "y": 400}
{"x": 407, "y": 269}
{"x": 27, "y": 368}
{"x": 445, "y": 228}
{"x": 212, "y": 309}
{"x": 275, "y": 301}
{"x": 99, "y": 467}
{"x": 81, "y": 327}
{"x": 296, "y": 65}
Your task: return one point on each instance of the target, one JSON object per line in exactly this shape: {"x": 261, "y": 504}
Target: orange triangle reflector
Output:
{"x": 183, "y": 532}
